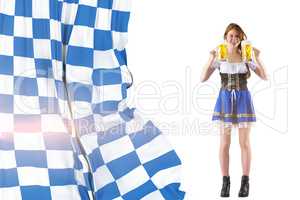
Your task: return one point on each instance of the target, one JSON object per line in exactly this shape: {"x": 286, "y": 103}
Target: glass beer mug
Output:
{"x": 222, "y": 52}
{"x": 246, "y": 51}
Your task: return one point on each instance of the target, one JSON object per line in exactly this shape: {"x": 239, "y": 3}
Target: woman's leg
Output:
{"x": 244, "y": 139}
{"x": 224, "y": 150}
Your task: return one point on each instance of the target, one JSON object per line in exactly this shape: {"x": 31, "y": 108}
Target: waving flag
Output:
{"x": 66, "y": 132}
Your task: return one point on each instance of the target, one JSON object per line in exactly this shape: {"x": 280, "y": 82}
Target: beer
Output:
{"x": 223, "y": 52}
{"x": 246, "y": 51}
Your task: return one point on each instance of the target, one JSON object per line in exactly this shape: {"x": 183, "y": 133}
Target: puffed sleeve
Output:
{"x": 216, "y": 64}
{"x": 252, "y": 65}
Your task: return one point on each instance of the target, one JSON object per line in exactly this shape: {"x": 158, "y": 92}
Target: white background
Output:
{"x": 168, "y": 45}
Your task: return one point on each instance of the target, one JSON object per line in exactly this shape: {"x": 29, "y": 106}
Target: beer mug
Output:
{"x": 222, "y": 52}
{"x": 246, "y": 51}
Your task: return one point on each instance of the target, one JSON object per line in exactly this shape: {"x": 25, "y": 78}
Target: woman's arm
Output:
{"x": 208, "y": 68}
{"x": 259, "y": 70}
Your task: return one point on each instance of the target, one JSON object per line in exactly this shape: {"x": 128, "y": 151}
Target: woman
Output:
{"x": 234, "y": 107}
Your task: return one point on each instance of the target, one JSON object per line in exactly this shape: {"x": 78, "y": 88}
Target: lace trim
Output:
{"x": 220, "y": 123}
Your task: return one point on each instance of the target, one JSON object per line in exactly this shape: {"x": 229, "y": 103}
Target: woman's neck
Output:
{"x": 233, "y": 50}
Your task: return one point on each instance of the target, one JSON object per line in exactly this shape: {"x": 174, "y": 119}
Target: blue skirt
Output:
{"x": 234, "y": 107}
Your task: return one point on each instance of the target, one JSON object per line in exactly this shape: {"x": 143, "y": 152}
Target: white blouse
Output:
{"x": 233, "y": 68}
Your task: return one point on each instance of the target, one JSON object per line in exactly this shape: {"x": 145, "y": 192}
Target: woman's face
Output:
{"x": 233, "y": 38}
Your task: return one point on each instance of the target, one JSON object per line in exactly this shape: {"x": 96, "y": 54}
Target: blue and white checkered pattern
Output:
{"x": 130, "y": 159}
{"x": 66, "y": 132}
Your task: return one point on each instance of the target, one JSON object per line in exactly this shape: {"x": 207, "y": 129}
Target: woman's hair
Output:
{"x": 242, "y": 36}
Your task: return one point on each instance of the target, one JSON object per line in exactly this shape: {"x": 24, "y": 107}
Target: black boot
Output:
{"x": 244, "y": 191}
{"x": 226, "y": 186}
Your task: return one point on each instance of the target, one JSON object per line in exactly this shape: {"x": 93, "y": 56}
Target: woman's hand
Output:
{"x": 213, "y": 53}
{"x": 208, "y": 69}
{"x": 256, "y": 52}
{"x": 260, "y": 69}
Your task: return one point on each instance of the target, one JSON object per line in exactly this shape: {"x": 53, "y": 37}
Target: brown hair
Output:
{"x": 242, "y": 36}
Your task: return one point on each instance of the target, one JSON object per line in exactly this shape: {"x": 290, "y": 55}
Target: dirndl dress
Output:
{"x": 234, "y": 106}
{"x": 66, "y": 132}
